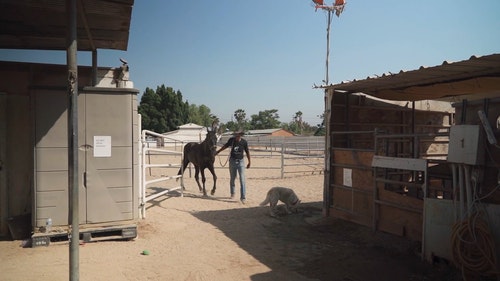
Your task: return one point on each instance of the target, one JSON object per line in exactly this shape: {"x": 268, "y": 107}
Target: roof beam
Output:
{"x": 83, "y": 15}
{"x": 480, "y": 85}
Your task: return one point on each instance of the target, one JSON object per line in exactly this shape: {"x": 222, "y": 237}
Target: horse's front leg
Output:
{"x": 197, "y": 178}
{"x": 215, "y": 180}
{"x": 203, "y": 179}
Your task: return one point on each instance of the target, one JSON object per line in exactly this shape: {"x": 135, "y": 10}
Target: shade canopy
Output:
{"x": 475, "y": 78}
{"x": 42, "y": 24}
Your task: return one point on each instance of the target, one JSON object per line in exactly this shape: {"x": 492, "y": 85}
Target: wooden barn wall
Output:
{"x": 354, "y": 202}
{"x": 359, "y": 113}
{"x": 352, "y": 123}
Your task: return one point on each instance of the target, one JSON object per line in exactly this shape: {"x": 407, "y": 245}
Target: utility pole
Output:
{"x": 338, "y": 7}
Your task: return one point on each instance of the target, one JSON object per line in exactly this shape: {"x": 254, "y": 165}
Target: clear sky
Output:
{"x": 267, "y": 54}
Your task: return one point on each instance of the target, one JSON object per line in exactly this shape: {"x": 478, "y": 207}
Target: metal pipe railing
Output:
{"x": 146, "y": 151}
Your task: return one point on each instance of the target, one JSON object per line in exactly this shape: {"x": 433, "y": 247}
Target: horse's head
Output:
{"x": 212, "y": 139}
{"x": 212, "y": 135}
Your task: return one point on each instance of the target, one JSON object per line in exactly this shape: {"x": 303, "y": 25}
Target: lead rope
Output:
{"x": 227, "y": 159}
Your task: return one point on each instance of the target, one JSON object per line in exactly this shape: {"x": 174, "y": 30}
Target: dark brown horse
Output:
{"x": 202, "y": 156}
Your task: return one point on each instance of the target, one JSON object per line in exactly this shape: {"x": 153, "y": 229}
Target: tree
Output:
{"x": 321, "y": 130}
{"x": 240, "y": 116}
{"x": 305, "y": 130}
{"x": 298, "y": 120}
{"x": 149, "y": 109}
{"x": 241, "y": 120}
{"x": 267, "y": 119}
{"x": 194, "y": 114}
{"x": 300, "y": 127}
{"x": 163, "y": 110}
{"x": 230, "y": 126}
{"x": 201, "y": 115}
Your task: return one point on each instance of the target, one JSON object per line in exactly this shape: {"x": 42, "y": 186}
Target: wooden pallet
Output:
{"x": 122, "y": 232}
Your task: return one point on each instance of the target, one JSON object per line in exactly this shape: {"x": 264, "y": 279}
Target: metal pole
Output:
{"x": 143, "y": 177}
{"x": 73, "y": 215}
{"x": 94, "y": 68}
{"x": 283, "y": 159}
{"x": 142, "y": 185}
{"x": 327, "y": 120}
{"x": 4, "y": 188}
{"x": 328, "y": 44}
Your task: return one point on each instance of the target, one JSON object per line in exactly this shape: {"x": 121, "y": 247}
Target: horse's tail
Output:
{"x": 185, "y": 163}
{"x": 185, "y": 160}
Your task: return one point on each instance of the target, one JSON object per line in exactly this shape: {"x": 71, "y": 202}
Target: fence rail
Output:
{"x": 144, "y": 150}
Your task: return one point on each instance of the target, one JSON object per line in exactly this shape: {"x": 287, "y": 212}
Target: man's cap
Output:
{"x": 239, "y": 133}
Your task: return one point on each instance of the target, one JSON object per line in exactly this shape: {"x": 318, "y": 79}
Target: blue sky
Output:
{"x": 267, "y": 54}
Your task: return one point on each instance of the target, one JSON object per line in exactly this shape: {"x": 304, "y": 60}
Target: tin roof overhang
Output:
{"x": 475, "y": 78}
{"x": 42, "y": 24}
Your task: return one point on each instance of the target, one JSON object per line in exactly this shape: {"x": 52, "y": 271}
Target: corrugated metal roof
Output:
{"x": 475, "y": 78}
{"x": 42, "y": 24}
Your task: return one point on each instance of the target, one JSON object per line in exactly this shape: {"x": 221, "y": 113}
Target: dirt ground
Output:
{"x": 195, "y": 238}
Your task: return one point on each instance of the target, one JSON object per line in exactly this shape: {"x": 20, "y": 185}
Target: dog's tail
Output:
{"x": 266, "y": 201}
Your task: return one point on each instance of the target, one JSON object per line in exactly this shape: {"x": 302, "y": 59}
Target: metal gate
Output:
{"x": 144, "y": 152}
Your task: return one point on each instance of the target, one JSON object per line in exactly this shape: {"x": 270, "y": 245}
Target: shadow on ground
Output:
{"x": 307, "y": 246}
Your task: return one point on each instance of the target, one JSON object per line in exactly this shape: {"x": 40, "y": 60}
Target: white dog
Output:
{"x": 283, "y": 194}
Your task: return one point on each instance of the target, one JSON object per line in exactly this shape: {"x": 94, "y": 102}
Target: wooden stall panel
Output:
{"x": 400, "y": 215}
{"x": 353, "y": 178}
{"x": 353, "y": 157}
{"x": 352, "y": 186}
{"x": 352, "y": 169}
{"x": 400, "y": 222}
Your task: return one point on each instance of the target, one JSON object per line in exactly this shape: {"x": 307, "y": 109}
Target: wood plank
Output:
{"x": 356, "y": 202}
{"x": 410, "y": 164}
{"x": 400, "y": 222}
{"x": 353, "y": 157}
{"x": 360, "y": 164}
{"x": 390, "y": 196}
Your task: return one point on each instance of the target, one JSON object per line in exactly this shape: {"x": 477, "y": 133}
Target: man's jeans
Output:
{"x": 237, "y": 165}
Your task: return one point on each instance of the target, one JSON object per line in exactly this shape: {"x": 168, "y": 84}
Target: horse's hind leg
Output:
{"x": 185, "y": 163}
{"x": 215, "y": 180}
